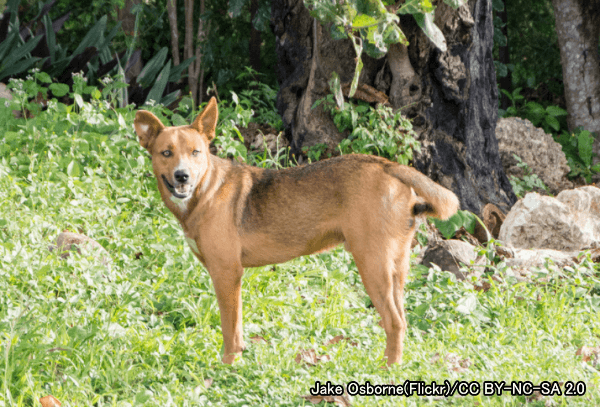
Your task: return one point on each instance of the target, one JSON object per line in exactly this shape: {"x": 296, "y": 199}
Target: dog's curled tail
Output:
{"x": 435, "y": 200}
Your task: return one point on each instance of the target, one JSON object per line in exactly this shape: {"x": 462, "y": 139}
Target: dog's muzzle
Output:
{"x": 181, "y": 190}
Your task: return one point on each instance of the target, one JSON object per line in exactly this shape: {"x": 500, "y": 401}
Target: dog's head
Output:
{"x": 180, "y": 155}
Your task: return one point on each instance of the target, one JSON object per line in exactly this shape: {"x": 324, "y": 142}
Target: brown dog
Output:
{"x": 237, "y": 216}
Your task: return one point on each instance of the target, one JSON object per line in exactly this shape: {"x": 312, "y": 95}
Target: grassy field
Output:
{"x": 147, "y": 330}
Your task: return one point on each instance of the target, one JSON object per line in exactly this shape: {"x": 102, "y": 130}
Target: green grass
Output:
{"x": 147, "y": 331}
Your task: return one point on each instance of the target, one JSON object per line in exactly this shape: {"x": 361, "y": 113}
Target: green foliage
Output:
{"x": 460, "y": 219}
{"x": 314, "y": 153}
{"x": 379, "y": 130}
{"x": 552, "y": 118}
{"x": 577, "y": 147}
{"x": 534, "y": 45}
{"x": 372, "y": 27}
{"x": 15, "y": 54}
{"x": 147, "y": 330}
{"x": 529, "y": 182}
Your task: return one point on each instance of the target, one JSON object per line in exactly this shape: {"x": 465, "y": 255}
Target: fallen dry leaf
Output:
{"x": 49, "y": 401}
{"x": 485, "y": 286}
{"x": 338, "y": 400}
{"x": 589, "y": 354}
{"x": 258, "y": 339}
{"x": 338, "y": 338}
{"x": 310, "y": 357}
{"x": 452, "y": 362}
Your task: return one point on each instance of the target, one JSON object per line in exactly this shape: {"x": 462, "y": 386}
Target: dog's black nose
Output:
{"x": 181, "y": 176}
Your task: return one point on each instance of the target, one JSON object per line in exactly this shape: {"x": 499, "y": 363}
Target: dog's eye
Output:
{"x": 167, "y": 153}
{"x": 195, "y": 152}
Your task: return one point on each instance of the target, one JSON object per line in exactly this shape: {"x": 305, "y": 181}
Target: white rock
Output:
{"x": 569, "y": 222}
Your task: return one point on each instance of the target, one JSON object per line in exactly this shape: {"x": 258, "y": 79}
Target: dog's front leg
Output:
{"x": 228, "y": 287}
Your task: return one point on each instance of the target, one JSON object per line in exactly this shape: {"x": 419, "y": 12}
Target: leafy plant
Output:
{"x": 529, "y": 182}
{"x": 378, "y": 130}
{"x": 372, "y": 27}
{"x": 460, "y": 219}
{"x": 551, "y": 118}
{"x": 313, "y": 153}
{"x": 15, "y": 53}
{"x": 148, "y": 330}
{"x": 577, "y": 147}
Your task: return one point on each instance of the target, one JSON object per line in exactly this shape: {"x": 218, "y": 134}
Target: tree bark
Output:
{"x": 125, "y": 16}
{"x": 504, "y": 58}
{"x": 195, "y": 71}
{"x": 451, "y": 96}
{"x": 172, "y": 12}
{"x": 255, "y": 38}
{"x": 578, "y": 28}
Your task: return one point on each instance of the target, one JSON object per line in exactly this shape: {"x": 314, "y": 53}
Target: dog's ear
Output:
{"x": 147, "y": 126}
{"x": 206, "y": 122}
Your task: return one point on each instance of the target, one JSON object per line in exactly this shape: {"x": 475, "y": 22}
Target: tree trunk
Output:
{"x": 195, "y": 71}
{"x": 451, "y": 97}
{"x": 255, "y": 38}
{"x": 504, "y": 58}
{"x": 172, "y": 12}
{"x": 578, "y": 28}
{"x": 125, "y": 16}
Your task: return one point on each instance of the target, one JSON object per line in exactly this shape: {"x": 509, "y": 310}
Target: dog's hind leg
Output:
{"x": 384, "y": 278}
{"x": 228, "y": 287}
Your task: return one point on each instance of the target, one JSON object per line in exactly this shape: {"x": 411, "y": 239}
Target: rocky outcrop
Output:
{"x": 538, "y": 150}
{"x": 569, "y": 222}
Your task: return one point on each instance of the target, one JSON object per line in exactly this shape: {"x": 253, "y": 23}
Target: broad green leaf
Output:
{"x": 78, "y": 100}
{"x": 17, "y": 68}
{"x": 95, "y": 34}
{"x": 59, "y": 89}
{"x": 584, "y": 142}
{"x": 425, "y": 21}
{"x": 73, "y": 169}
{"x": 160, "y": 84}
{"x": 152, "y": 68}
{"x": 363, "y": 20}
{"x": 50, "y": 37}
{"x": 170, "y": 98}
{"x": 43, "y": 77}
{"x": 467, "y": 304}
{"x": 16, "y": 54}
{"x": 556, "y": 111}
{"x": 7, "y": 45}
{"x": 410, "y": 7}
{"x": 552, "y": 122}
{"x": 176, "y": 71}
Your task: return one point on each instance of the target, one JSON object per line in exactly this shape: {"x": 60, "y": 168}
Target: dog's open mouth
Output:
{"x": 180, "y": 191}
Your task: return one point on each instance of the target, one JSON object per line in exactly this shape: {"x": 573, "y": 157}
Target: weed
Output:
{"x": 148, "y": 330}
{"x": 529, "y": 182}
{"x": 379, "y": 130}
{"x": 551, "y": 118}
{"x": 577, "y": 147}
